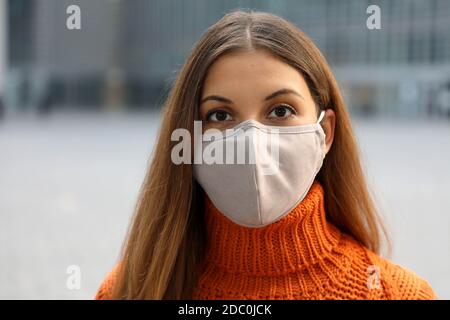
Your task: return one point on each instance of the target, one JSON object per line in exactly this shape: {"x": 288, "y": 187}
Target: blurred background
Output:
{"x": 79, "y": 111}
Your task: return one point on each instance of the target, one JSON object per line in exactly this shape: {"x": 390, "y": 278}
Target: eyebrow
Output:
{"x": 269, "y": 97}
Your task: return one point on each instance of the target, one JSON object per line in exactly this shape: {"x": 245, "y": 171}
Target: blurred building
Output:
{"x": 3, "y": 52}
{"x": 127, "y": 52}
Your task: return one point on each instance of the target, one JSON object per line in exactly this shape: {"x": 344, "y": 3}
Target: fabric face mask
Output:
{"x": 280, "y": 165}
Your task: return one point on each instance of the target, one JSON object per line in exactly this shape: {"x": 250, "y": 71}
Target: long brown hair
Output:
{"x": 166, "y": 240}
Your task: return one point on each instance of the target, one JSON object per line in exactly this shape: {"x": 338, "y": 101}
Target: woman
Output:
{"x": 305, "y": 229}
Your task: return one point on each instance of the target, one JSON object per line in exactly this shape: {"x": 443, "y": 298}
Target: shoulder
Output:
{"x": 399, "y": 282}
{"x": 104, "y": 292}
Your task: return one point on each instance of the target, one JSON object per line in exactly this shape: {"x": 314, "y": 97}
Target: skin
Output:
{"x": 256, "y": 85}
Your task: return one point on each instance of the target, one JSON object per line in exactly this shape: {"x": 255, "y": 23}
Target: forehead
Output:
{"x": 254, "y": 70}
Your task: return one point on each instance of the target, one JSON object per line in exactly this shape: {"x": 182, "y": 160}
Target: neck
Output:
{"x": 299, "y": 239}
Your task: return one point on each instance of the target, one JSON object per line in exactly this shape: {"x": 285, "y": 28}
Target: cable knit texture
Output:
{"x": 301, "y": 256}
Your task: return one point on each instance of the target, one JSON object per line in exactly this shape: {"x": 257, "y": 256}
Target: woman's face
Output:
{"x": 256, "y": 85}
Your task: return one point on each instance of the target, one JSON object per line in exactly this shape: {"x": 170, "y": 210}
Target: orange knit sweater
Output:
{"x": 301, "y": 256}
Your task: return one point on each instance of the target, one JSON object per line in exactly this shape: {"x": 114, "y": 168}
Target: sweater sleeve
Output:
{"x": 104, "y": 292}
{"x": 409, "y": 286}
{"x": 401, "y": 283}
{"x": 425, "y": 291}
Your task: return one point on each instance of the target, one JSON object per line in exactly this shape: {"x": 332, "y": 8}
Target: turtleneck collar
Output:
{"x": 299, "y": 239}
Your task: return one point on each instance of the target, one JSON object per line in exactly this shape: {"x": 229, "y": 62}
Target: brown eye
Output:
{"x": 218, "y": 115}
{"x": 281, "y": 111}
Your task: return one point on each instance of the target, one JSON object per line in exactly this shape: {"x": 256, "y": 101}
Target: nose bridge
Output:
{"x": 250, "y": 123}
{"x": 251, "y": 115}
{"x": 251, "y": 107}
{"x": 245, "y": 142}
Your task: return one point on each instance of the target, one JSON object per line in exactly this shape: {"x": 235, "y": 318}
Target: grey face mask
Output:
{"x": 280, "y": 165}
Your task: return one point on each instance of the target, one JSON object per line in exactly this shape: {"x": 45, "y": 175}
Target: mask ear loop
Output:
{"x": 321, "y": 116}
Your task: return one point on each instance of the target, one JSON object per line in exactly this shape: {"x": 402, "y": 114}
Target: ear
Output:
{"x": 328, "y": 125}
